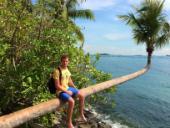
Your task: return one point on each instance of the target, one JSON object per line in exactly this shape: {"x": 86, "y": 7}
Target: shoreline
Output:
{"x": 93, "y": 121}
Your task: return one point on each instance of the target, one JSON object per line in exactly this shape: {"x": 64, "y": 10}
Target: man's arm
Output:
{"x": 59, "y": 87}
{"x": 71, "y": 83}
{"x": 56, "y": 77}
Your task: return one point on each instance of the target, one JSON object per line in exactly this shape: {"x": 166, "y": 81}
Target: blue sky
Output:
{"x": 107, "y": 34}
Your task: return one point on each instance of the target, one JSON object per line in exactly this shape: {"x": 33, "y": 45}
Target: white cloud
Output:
{"x": 163, "y": 51}
{"x": 134, "y": 2}
{"x": 167, "y": 5}
{"x": 116, "y": 18}
{"x": 97, "y": 4}
{"x": 117, "y": 36}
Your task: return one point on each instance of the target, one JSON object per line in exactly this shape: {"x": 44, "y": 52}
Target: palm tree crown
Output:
{"x": 149, "y": 25}
{"x": 71, "y": 12}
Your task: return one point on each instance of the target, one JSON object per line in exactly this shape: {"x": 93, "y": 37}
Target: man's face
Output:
{"x": 64, "y": 62}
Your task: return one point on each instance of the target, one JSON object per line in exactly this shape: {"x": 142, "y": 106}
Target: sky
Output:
{"x": 108, "y": 34}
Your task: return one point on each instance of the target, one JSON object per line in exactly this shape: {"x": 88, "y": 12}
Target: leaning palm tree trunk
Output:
{"x": 22, "y": 116}
{"x": 116, "y": 81}
{"x": 149, "y": 57}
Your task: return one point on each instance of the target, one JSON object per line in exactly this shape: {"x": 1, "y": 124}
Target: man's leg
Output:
{"x": 76, "y": 92}
{"x": 66, "y": 97}
{"x": 81, "y": 106}
{"x": 70, "y": 112}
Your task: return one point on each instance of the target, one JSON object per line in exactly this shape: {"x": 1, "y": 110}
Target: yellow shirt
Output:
{"x": 65, "y": 77}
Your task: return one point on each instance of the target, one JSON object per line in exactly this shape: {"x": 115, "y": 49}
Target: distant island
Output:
{"x": 108, "y": 54}
{"x": 105, "y": 54}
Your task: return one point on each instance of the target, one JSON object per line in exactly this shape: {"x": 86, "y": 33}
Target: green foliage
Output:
{"x": 31, "y": 43}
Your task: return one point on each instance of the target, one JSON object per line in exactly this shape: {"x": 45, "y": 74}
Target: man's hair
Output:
{"x": 64, "y": 57}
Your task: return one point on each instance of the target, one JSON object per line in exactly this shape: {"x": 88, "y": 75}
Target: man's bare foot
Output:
{"x": 81, "y": 119}
{"x": 70, "y": 125}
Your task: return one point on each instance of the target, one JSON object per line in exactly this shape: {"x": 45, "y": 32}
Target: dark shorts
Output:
{"x": 64, "y": 96}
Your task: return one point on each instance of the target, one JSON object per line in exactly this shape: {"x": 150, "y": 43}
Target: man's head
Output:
{"x": 64, "y": 61}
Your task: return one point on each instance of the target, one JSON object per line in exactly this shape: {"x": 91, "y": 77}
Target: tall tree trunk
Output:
{"x": 13, "y": 40}
{"x": 40, "y": 28}
{"x": 149, "y": 57}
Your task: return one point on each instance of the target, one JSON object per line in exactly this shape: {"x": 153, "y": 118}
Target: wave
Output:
{"x": 115, "y": 124}
{"x": 106, "y": 119}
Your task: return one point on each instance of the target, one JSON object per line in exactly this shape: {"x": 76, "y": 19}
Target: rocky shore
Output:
{"x": 92, "y": 122}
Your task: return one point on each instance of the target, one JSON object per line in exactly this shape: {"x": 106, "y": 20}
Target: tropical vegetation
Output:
{"x": 32, "y": 39}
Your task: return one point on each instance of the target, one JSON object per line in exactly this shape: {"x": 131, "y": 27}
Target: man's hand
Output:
{"x": 73, "y": 86}
{"x": 70, "y": 93}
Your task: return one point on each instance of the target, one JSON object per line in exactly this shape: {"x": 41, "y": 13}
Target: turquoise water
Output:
{"x": 143, "y": 102}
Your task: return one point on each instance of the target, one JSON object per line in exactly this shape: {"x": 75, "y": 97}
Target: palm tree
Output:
{"x": 149, "y": 25}
{"x": 70, "y": 12}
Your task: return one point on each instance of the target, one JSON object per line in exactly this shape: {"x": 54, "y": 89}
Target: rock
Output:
{"x": 92, "y": 122}
{"x": 84, "y": 126}
{"x": 103, "y": 125}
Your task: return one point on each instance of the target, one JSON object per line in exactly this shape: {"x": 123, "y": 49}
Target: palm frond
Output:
{"x": 71, "y": 3}
{"x": 131, "y": 20}
{"x": 163, "y": 39}
{"x": 124, "y": 18}
{"x": 139, "y": 36}
{"x": 166, "y": 27}
{"x": 72, "y": 12}
{"x": 78, "y": 33}
{"x": 84, "y": 14}
{"x": 127, "y": 18}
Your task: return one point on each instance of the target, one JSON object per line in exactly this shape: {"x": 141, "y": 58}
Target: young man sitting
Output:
{"x": 66, "y": 90}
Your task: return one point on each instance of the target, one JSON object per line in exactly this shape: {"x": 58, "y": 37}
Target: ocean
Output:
{"x": 143, "y": 102}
